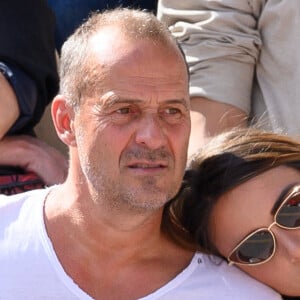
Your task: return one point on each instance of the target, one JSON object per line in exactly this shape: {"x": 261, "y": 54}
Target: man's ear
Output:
{"x": 62, "y": 115}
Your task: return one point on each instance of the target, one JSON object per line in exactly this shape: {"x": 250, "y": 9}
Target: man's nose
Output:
{"x": 150, "y": 132}
{"x": 288, "y": 241}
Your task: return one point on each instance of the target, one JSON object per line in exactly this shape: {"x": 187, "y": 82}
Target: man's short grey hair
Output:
{"x": 76, "y": 79}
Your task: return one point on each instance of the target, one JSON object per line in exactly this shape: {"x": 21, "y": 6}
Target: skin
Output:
{"x": 232, "y": 219}
{"x": 149, "y": 122}
{"x": 34, "y": 155}
{"x": 210, "y": 118}
{"x": 128, "y": 148}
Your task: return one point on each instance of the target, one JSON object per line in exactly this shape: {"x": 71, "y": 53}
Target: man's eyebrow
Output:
{"x": 284, "y": 193}
{"x": 111, "y": 101}
{"x": 177, "y": 101}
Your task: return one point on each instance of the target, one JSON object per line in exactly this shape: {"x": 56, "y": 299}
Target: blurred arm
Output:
{"x": 9, "y": 108}
{"x": 34, "y": 155}
{"x": 210, "y": 118}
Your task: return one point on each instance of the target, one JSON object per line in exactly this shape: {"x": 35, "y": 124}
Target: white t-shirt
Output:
{"x": 30, "y": 269}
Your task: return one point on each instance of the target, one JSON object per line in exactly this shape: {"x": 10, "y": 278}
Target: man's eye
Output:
{"x": 172, "y": 111}
{"x": 123, "y": 110}
{"x": 172, "y": 115}
{"x": 124, "y": 115}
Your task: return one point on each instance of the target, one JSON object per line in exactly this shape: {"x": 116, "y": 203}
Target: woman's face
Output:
{"x": 249, "y": 207}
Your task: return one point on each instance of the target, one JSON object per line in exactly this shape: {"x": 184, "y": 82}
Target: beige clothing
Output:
{"x": 243, "y": 53}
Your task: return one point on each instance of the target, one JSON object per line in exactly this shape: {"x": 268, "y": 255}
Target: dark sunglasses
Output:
{"x": 259, "y": 246}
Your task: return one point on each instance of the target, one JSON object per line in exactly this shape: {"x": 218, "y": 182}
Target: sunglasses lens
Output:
{"x": 257, "y": 248}
{"x": 289, "y": 214}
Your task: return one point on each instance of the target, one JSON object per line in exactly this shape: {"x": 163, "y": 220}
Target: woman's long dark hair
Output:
{"x": 225, "y": 162}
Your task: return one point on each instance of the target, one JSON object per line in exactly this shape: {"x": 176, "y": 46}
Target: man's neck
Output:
{"x": 112, "y": 252}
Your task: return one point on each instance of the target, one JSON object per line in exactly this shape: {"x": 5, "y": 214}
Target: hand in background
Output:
{"x": 34, "y": 155}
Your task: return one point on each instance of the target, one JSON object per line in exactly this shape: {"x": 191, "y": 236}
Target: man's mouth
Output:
{"x": 147, "y": 165}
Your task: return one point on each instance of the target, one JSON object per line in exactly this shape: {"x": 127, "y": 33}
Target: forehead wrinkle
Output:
{"x": 120, "y": 87}
{"x": 157, "y": 83}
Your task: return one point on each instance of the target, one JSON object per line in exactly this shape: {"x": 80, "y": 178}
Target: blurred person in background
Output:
{"x": 244, "y": 63}
{"x": 28, "y": 83}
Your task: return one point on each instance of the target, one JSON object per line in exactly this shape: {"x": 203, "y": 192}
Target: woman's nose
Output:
{"x": 289, "y": 241}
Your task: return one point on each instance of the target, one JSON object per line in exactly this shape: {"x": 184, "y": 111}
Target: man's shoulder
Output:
{"x": 20, "y": 205}
{"x": 12, "y": 200}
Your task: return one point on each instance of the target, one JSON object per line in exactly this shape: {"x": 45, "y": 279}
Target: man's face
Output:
{"x": 132, "y": 137}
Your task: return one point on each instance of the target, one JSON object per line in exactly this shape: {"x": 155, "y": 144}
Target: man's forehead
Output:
{"x": 118, "y": 60}
{"x": 109, "y": 40}
{"x": 111, "y": 44}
